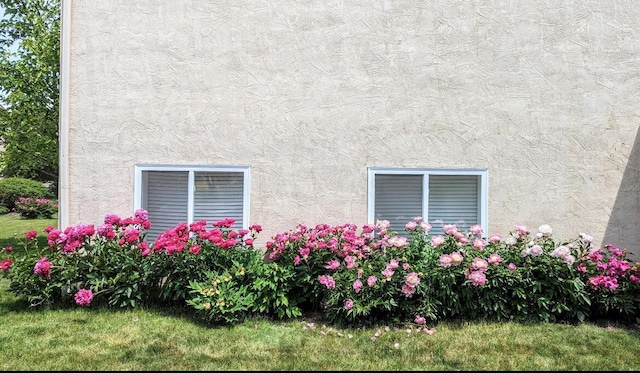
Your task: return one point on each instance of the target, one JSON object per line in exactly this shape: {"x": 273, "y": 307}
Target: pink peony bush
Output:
{"x": 344, "y": 273}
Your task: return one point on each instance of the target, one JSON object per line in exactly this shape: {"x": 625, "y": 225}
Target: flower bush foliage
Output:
{"x": 345, "y": 274}
{"x": 36, "y": 208}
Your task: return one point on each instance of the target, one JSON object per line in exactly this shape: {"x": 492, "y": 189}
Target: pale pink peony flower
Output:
{"x": 412, "y": 225}
{"x": 425, "y": 226}
{"x": 357, "y": 285}
{"x": 494, "y": 238}
{"x": 479, "y": 244}
{"x": 512, "y": 267}
{"x": 479, "y": 264}
{"x": 420, "y": 320}
{"x": 371, "y": 281}
{"x": 437, "y": 240}
{"x": 456, "y": 258}
{"x": 535, "y": 250}
{"x": 446, "y": 260}
{"x": 429, "y": 331}
{"x": 412, "y": 279}
{"x": 477, "y": 278}
{"x": 495, "y": 259}
{"x": 449, "y": 228}
{"x": 476, "y": 229}
{"x": 348, "y": 304}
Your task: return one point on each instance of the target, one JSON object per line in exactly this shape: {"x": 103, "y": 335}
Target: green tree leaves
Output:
{"x": 29, "y": 88}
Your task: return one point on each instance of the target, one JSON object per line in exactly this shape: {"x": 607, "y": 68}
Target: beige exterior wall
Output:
{"x": 543, "y": 94}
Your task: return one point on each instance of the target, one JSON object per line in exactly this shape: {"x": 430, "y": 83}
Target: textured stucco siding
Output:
{"x": 543, "y": 94}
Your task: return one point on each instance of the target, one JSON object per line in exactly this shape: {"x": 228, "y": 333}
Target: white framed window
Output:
{"x": 174, "y": 194}
{"x": 439, "y": 196}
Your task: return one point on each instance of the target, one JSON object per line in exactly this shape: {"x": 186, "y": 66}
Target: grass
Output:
{"x": 161, "y": 339}
{"x": 12, "y": 228}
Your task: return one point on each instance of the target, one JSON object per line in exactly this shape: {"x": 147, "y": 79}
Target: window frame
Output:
{"x": 192, "y": 169}
{"x": 426, "y": 172}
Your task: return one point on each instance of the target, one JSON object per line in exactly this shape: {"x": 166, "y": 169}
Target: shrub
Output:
{"x": 11, "y": 189}
{"x": 108, "y": 262}
{"x": 36, "y": 208}
{"x": 186, "y": 253}
{"x": 348, "y": 275}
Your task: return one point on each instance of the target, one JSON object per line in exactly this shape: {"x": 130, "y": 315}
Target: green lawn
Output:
{"x": 157, "y": 339}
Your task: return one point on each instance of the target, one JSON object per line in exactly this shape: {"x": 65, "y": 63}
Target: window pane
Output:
{"x": 165, "y": 197}
{"x": 453, "y": 199}
{"x": 398, "y": 199}
{"x": 219, "y": 195}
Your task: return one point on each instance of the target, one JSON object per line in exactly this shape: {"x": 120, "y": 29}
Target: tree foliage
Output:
{"x": 29, "y": 88}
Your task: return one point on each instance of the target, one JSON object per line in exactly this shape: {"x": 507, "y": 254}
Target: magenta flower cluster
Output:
{"x": 83, "y": 297}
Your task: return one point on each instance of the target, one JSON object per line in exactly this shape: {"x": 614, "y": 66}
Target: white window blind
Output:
{"x": 453, "y": 199}
{"x": 165, "y": 197}
{"x": 398, "y": 199}
{"x": 172, "y": 195}
{"x": 440, "y": 197}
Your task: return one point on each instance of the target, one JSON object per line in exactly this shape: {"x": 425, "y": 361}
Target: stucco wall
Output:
{"x": 544, "y": 94}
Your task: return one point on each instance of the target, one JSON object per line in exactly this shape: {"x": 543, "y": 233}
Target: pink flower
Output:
{"x": 408, "y": 290}
{"x": 420, "y": 320}
{"x": 446, "y": 260}
{"x": 535, "y": 250}
{"x": 412, "y": 225}
{"x": 522, "y": 230}
{"x": 634, "y": 279}
{"x": 477, "y": 278}
{"x": 31, "y": 235}
{"x": 496, "y": 237}
{"x": 83, "y": 297}
{"x": 412, "y": 280}
{"x": 512, "y": 267}
{"x": 449, "y": 228}
{"x": 425, "y": 226}
{"x": 405, "y": 266}
{"x": 357, "y": 285}
{"x": 479, "y": 244}
{"x": 371, "y": 281}
{"x": 602, "y": 281}
{"x": 479, "y": 264}
{"x": 43, "y": 268}
{"x": 387, "y": 273}
{"x": 248, "y": 242}
{"x": 456, "y": 258}
{"x": 393, "y": 264}
{"x": 348, "y": 304}
{"x": 296, "y": 260}
{"x": 437, "y": 240}
{"x": 327, "y": 281}
{"x": 429, "y": 331}
{"x": 195, "y": 249}
{"x": 495, "y": 259}
{"x": 332, "y": 264}
{"x": 398, "y": 241}
{"x": 582, "y": 267}
{"x": 476, "y": 229}
{"x": 8, "y": 249}
{"x": 5, "y": 265}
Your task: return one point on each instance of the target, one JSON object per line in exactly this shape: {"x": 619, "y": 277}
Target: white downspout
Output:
{"x": 63, "y": 124}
